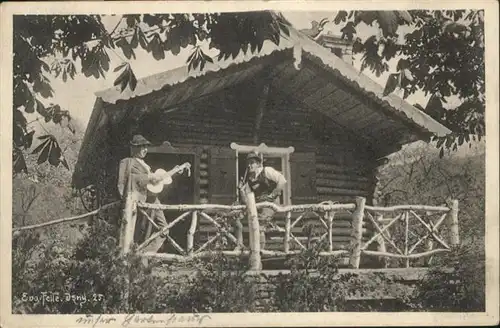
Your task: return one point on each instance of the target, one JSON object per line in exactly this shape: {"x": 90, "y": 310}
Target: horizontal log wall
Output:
{"x": 344, "y": 167}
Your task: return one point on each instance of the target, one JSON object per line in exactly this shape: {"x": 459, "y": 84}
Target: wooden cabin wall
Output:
{"x": 344, "y": 165}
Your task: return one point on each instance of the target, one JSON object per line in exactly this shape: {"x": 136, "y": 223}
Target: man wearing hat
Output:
{"x": 133, "y": 177}
{"x": 267, "y": 185}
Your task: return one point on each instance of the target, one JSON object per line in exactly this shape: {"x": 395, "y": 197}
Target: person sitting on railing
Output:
{"x": 267, "y": 185}
{"x": 133, "y": 176}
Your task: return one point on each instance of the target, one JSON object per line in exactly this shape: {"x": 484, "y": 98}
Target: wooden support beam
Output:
{"x": 275, "y": 207}
{"x": 191, "y": 232}
{"x": 357, "y": 226}
{"x": 84, "y": 216}
{"x": 407, "y": 208}
{"x": 279, "y": 253}
{"x": 286, "y": 240}
{"x": 381, "y": 231}
{"x": 239, "y": 232}
{"x": 329, "y": 218}
{"x": 409, "y": 256}
{"x": 254, "y": 232}
{"x": 129, "y": 218}
{"x": 164, "y": 230}
{"x": 407, "y": 221}
{"x": 429, "y": 245}
{"x": 453, "y": 223}
{"x": 259, "y": 111}
{"x": 381, "y": 242}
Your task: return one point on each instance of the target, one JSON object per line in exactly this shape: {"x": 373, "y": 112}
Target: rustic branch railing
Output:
{"x": 234, "y": 213}
{"x": 411, "y": 228}
{"x": 411, "y": 232}
{"x": 17, "y": 230}
{"x": 421, "y": 216}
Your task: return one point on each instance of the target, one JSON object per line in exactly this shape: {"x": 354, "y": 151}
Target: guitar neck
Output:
{"x": 175, "y": 170}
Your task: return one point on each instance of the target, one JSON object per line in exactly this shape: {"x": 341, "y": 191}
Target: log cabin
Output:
{"x": 323, "y": 124}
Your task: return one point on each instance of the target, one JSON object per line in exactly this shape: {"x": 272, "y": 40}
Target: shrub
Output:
{"x": 94, "y": 274}
{"x": 37, "y": 269}
{"x": 95, "y": 269}
{"x": 462, "y": 289}
{"x": 313, "y": 284}
{"x": 219, "y": 284}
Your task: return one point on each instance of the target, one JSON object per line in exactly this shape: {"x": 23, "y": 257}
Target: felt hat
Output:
{"x": 139, "y": 140}
{"x": 254, "y": 155}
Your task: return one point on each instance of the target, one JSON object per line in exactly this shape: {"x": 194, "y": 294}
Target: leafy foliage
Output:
{"x": 73, "y": 41}
{"x": 219, "y": 284}
{"x": 302, "y": 291}
{"x": 126, "y": 77}
{"x": 49, "y": 149}
{"x": 442, "y": 55}
{"x": 96, "y": 269}
{"x": 417, "y": 176}
{"x": 462, "y": 289}
{"x": 315, "y": 284}
{"x": 57, "y": 270}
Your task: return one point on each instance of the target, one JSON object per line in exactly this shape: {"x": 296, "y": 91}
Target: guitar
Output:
{"x": 167, "y": 177}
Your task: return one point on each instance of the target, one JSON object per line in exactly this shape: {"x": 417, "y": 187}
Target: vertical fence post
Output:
{"x": 407, "y": 227}
{"x": 239, "y": 232}
{"x": 288, "y": 225}
{"x": 453, "y": 222}
{"x": 191, "y": 232}
{"x": 381, "y": 247}
{"x": 129, "y": 218}
{"x": 254, "y": 232}
{"x": 357, "y": 232}
{"x": 329, "y": 218}
{"x": 127, "y": 229}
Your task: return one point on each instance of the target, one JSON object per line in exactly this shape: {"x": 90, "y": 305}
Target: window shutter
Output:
{"x": 303, "y": 176}
{"x": 222, "y": 176}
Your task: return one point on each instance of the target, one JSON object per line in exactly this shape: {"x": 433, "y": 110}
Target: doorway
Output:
{"x": 180, "y": 191}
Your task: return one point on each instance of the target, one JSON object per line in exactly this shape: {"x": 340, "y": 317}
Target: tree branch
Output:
{"x": 114, "y": 29}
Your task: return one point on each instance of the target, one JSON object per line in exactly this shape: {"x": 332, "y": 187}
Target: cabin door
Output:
{"x": 180, "y": 191}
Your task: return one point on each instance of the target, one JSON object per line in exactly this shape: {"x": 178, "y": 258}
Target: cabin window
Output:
{"x": 276, "y": 161}
{"x": 275, "y": 157}
{"x": 226, "y": 166}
